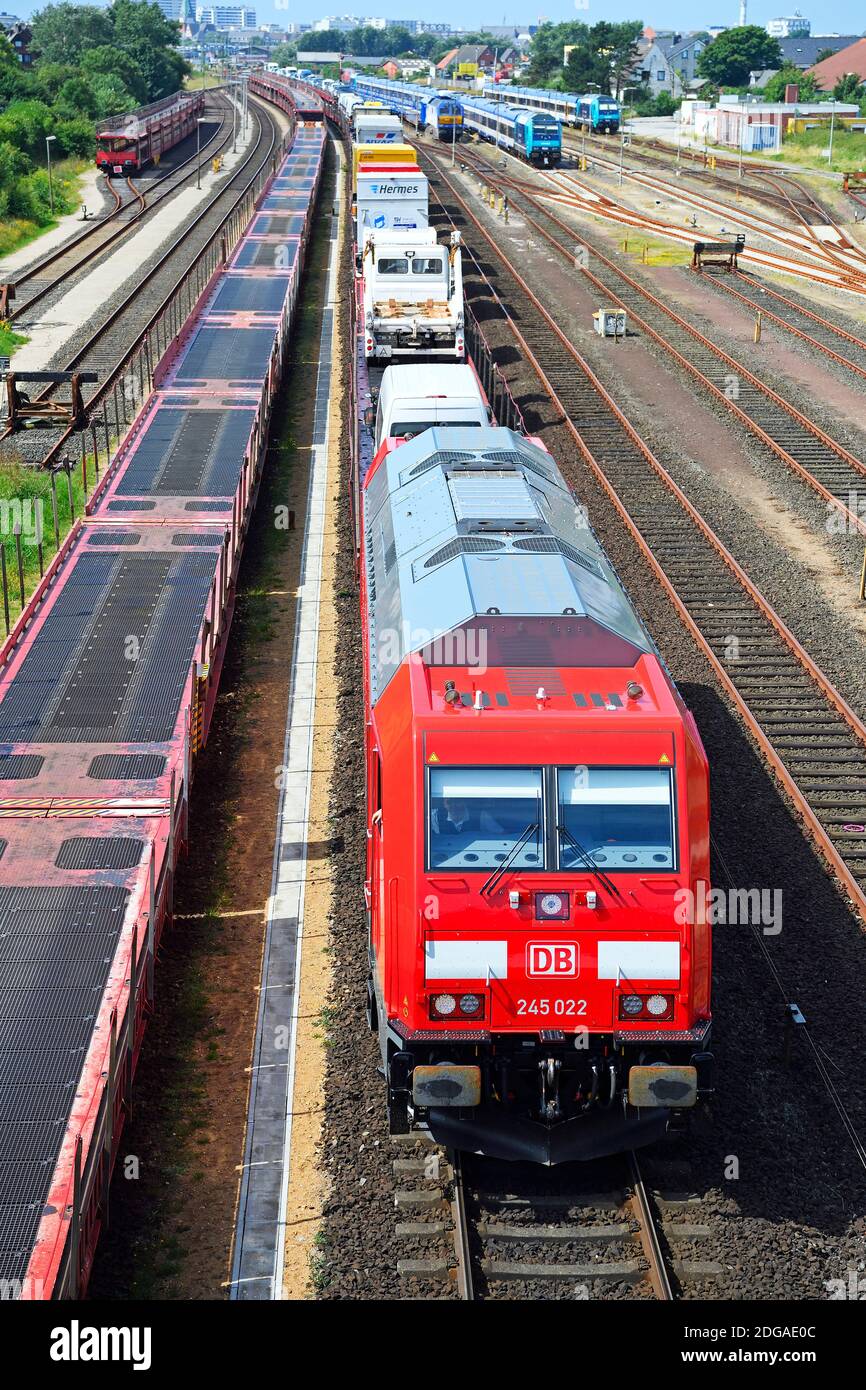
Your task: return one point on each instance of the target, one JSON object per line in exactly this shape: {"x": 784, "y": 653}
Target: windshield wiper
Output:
{"x": 590, "y": 862}
{"x": 503, "y": 868}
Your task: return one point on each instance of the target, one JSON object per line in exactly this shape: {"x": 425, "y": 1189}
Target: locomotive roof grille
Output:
{"x": 463, "y": 545}
{"x": 552, "y": 545}
{"x": 443, "y": 457}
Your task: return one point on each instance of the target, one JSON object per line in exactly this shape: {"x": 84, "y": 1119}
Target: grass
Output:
{"x": 319, "y": 1274}
{"x": 810, "y": 148}
{"x": 25, "y": 500}
{"x": 650, "y": 252}
{"x": 10, "y": 340}
{"x": 16, "y": 232}
{"x": 199, "y": 80}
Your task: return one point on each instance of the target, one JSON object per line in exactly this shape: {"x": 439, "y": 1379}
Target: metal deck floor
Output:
{"x": 110, "y": 662}
{"x": 188, "y": 452}
{"x": 56, "y": 947}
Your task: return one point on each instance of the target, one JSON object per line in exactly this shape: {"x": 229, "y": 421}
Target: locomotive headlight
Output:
{"x": 469, "y": 1004}
{"x": 658, "y": 1004}
{"x": 630, "y": 1005}
{"x": 444, "y": 1005}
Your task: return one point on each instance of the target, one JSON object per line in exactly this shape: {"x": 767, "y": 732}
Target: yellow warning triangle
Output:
{"x": 664, "y": 758}
{"x": 432, "y": 758}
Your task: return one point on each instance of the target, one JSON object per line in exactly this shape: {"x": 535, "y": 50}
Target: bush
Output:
{"x": 25, "y": 125}
{"x": 661, "y": 105}
{"x": 76, "y": 137}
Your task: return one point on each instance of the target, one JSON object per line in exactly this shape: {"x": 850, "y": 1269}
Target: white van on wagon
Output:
{"x": 414, "y": 397}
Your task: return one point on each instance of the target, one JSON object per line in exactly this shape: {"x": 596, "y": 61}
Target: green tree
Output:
{"x": 850, "y": 87}
{"x": 25, "y": 125}
{"x": 807, "y": 84}
{"x": 616, "y": 45}
{"x": 603, "y": 55}
{"x": 285, "y": 54}
{"x": 112, "y": 98}
{"x": 75, "y": 98}
{"x": 109, "y": 61}
{"x": 75, "y": 136}
{"x": 142, "y": 33}
{"x": 729, "y": 59}
{"x": 62, "y": 32}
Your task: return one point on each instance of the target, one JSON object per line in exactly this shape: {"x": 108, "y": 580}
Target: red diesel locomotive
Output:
{"x": 538, "y": 816}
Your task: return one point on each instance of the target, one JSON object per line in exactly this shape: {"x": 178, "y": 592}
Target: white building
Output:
{"x": 791, "y": 26}
{"x": 226, "y": 16}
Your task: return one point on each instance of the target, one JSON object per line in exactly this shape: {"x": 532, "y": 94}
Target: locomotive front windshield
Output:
{"x": 545, "y": 127}
{"x": 616, "y": 817}
{"x": 484, "y": 817}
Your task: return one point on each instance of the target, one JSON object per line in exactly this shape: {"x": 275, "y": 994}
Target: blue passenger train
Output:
{"x": 595, "y": 111}
{"x": 438, "y": 113}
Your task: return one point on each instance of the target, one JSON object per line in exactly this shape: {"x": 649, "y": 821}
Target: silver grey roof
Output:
{"x": 460, "y": 524}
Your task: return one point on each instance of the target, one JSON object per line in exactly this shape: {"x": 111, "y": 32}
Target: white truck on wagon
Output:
{"x": 413, "y": 295}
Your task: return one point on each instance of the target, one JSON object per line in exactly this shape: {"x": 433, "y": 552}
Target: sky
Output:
{"x": 837, "y": 17}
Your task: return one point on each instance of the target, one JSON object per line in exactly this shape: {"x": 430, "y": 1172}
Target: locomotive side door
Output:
{"x": 375, "y": 852}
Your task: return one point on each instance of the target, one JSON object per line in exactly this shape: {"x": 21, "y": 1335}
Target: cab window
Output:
{"x": 616, "y": 817}
{"x": 481, "y": 817}
{"x": 392, "y": 265}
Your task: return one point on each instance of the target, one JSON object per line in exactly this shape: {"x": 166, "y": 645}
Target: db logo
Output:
{"x": 551, "y": 958}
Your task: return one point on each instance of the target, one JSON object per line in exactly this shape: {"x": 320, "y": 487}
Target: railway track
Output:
{"x": 790, "y": 313}
{"x": 807, "y": 733}
{"x": 130, "y": 319}
{"x": 814, "y": 456}
{"x": 98, "y": 235}
{"x": 481, "y": 1230}
{"x": 762, "y": 184}
{"x": 799, "y": 248}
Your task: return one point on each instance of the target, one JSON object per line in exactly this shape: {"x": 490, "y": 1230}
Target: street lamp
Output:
{"x": 832, "y": 120}
{"x": 198, "y": 125}
{"x": 622, "y": 132}
{"x": 597, "y": 87}
{"x": 48, "y": 140}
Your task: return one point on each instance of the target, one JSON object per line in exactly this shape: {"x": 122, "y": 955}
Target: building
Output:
{"x": 170, "y": 8}
{"x": 682, "y": 57}
{"x": 652, "y": 69}
{"x": 226, "y": 16}
{"x": 803, "y": 51}
{"x": 667, "y": 61}
{"x": 762, "y": 125}
{"x": 791, "y": 27}
{"x": 847, "y": 60}
{"x": 479, "y": 56}
{"x": 20, "y": 35}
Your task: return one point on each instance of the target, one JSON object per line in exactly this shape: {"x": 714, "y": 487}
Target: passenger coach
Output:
{"x": 533, "y": 135}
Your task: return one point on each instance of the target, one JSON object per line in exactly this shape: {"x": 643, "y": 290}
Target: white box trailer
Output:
{"x": 376, "y": 127}
{"x": 395, "y": 197}
{"x": 412, "y": 296}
